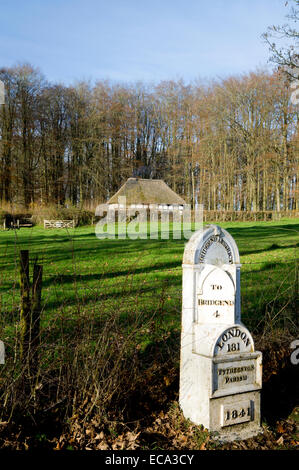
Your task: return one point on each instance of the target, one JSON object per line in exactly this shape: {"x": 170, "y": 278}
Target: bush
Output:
{"x": 54, "y": 212}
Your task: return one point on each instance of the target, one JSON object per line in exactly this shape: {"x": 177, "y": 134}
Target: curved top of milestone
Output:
{"x": 212, "y": 245}
{"x": 216, "y": 340}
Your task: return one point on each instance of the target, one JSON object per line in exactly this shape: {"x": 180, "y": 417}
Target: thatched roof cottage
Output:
{"x": 148, "y": 194}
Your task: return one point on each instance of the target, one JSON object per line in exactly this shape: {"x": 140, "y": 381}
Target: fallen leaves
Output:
{"x": 280, "y": 428}
{"x": 203, "y": 446}
{"x": 155, "y": 422}
{"x": 127, "y": 441}
{"x": 280, "y": 441}
{"x": 165, "y": 430}
{"x": 167, "y": 381}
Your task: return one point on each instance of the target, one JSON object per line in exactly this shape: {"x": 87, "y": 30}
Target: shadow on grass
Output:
{"x": 270, "y": 248}
{"x": 280, "y": 394}
{"x": 85, "y": 278}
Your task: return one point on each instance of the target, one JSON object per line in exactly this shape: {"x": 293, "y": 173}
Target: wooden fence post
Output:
{"x": 30, "y": 313}
{"x": 35, "y": 315}
{"x": 25, "y": 305}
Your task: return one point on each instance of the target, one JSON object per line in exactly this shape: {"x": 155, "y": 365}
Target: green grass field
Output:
{"x": 142, "y": 278}
{"x": 110, "y": 329}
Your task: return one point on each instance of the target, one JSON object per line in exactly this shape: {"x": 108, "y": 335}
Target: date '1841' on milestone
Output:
{"x": 236, "y": 413}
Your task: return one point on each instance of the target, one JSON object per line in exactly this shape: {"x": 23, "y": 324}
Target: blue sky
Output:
{"x": 131, "y": 40}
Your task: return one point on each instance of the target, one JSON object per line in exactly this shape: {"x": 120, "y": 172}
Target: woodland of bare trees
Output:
{"x": 230, "y": 145}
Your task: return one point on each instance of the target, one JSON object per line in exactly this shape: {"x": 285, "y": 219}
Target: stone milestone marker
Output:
{"x": 220, "y": 372}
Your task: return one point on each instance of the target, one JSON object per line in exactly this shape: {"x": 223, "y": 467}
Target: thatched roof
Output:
{"x": 146, "y": 191}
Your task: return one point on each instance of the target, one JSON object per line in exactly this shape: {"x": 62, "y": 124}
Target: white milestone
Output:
{"x": 220, "y": 371}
